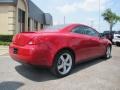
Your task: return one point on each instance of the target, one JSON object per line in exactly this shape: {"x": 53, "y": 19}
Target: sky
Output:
{"x": 80, "y": 11}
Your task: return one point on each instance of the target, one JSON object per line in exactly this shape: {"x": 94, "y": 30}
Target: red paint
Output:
{"x": 40, "y": 48}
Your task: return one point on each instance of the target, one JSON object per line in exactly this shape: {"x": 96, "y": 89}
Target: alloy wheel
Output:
{"x": 108, "y": 52}
{"x": 64, "y": 63}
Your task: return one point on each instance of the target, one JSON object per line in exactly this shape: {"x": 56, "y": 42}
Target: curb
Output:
{"x": 4, "y": 54}
{"x": 4, "y": 50}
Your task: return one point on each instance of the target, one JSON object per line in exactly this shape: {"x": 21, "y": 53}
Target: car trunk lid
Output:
{"x": 22, "y": 39}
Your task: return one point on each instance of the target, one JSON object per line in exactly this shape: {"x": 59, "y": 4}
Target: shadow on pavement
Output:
{"x": 40, "y": 75}
{"x": 87, "y": 64}
{"x": 10, "y": 85}
{"x": 35, "y": 74}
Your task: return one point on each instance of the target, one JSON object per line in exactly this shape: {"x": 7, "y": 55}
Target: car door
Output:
{"x": 83, "y": 46}
{"x": 97, "y": 46}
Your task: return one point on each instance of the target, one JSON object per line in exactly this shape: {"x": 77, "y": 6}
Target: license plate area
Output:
{"x": 15, "y": 50}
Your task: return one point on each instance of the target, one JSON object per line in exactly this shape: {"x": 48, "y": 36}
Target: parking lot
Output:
{"x": 98, "y": 74}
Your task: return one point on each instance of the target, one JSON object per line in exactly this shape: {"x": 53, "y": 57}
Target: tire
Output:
{"x": 108, "y": 52}
{"x": 118, "y": 44}
{"x": 63, "y": 63}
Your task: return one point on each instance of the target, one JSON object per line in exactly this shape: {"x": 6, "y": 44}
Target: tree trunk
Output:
{"x": 110, "y": 33}
{"x": 111, "y": 26}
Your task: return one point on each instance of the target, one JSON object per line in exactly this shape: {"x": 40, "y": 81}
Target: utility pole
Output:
{"x": 64, "y": 20}
{"x": 99, "y": 14}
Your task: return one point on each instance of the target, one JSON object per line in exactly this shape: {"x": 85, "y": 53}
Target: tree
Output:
{"x": 111, "y": 18}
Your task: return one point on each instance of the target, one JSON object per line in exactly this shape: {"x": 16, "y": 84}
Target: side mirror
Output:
{"x": 101, "y": 35}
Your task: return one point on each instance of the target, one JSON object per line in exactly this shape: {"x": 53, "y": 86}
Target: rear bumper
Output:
{"x": 29, "y": 54}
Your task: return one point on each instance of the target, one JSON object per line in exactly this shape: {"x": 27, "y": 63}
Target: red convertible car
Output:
{"x": 59, "y": 47}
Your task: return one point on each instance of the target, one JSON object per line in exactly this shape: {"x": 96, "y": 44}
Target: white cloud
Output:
{"x": 67, "y": 8}
{"x": 58, "y": 22}
{"x": 93, "y": 5}
{"x": 86, "y": 5}
{"x": 91, "y": 19}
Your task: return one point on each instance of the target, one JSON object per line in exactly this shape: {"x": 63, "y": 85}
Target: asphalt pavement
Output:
{"x": 98, "y": 74}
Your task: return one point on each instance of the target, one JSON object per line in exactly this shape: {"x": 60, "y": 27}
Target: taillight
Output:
{"x": 32, "y": 42}
{"x": 36, "y": 40}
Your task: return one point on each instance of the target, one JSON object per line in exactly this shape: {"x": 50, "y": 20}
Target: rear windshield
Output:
{"x": 54, "y": 28}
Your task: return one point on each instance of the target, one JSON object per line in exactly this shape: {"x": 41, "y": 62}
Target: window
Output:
{"x": 21, "y": 16}
{"x": 79, "y": 29}
{"x": 41, "y": 27}
{"x": 21, "y": 20}
{"x": 28, "y": 24}
{"x": 36, "y": 25}
{"x": 90, "y": 31}
{"x": 85, "y": 30}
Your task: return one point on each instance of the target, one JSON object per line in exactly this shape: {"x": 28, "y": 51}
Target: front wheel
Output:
{"x": 118, "y": 44}
{"x": 63, "y": 63}
{"x": 108, "y": 52}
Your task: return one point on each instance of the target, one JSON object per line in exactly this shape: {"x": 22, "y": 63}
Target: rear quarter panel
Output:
{"x": 54, "y": 43}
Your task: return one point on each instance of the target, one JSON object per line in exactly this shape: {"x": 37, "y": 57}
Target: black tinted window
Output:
{"x": 79, "y": 30}
{"x": 85, "y": 30}
{"x": 90, "y": 31}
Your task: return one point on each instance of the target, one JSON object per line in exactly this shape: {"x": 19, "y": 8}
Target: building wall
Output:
{"x": 48, "y": 19}
{"x": 39, "y": 26}
{"x": 7, "y": 19}
{"x": 22, "y": 4}
{"x": 32, "y": 25}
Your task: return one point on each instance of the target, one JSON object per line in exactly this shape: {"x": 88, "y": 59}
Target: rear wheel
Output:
{"x": 63, "y": 63}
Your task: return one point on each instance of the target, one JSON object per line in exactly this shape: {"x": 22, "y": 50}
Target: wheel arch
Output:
{"x": 109, "y": 45}
{"x": 62, "y": 49}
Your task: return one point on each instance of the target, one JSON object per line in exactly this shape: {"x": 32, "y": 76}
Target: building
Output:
{"x": 21, "y": 15}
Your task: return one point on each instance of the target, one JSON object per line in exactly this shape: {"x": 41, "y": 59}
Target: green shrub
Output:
{"x": 4, "y": 43}
{"x": 6, "y": 38}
